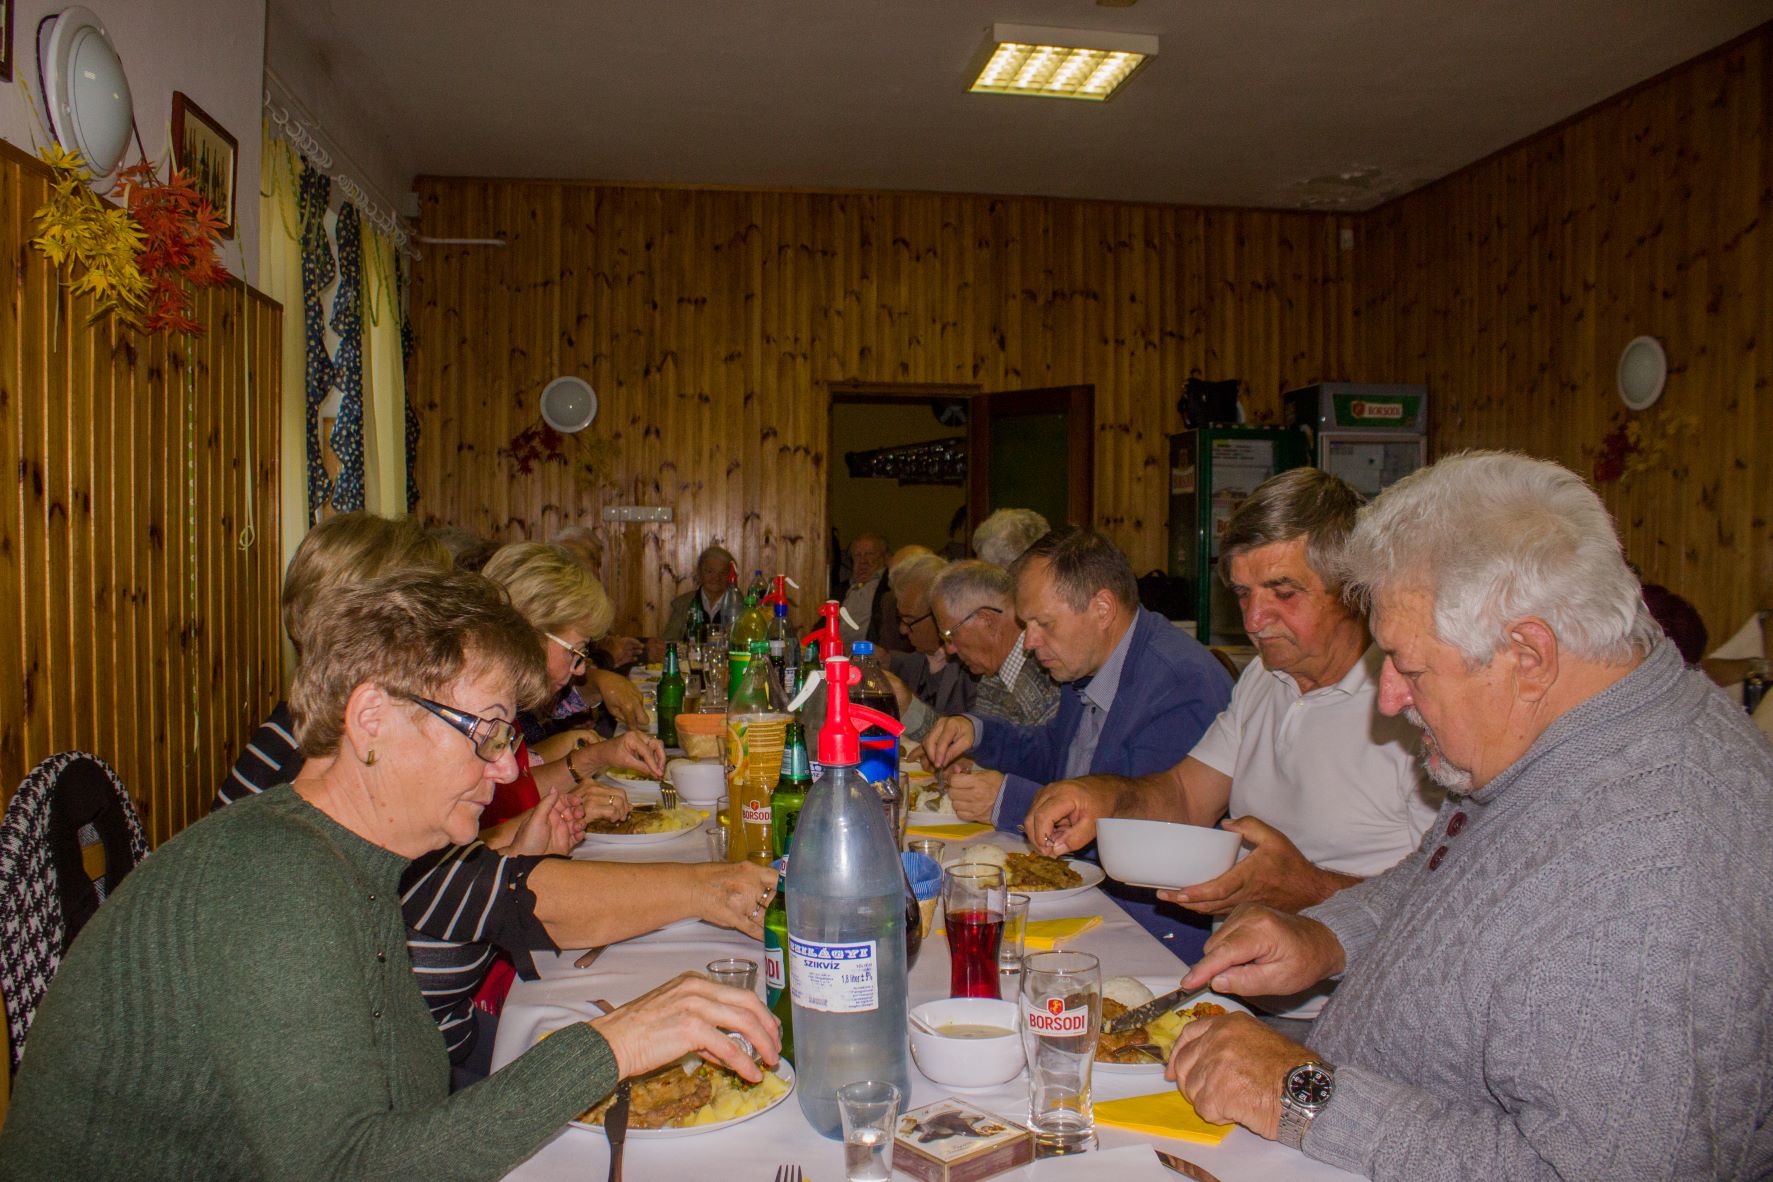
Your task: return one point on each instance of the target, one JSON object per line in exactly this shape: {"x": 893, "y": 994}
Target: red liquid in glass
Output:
{"x": 973, "y": 939}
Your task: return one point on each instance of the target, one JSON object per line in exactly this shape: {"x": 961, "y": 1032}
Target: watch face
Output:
{"x": 1309, "y": 1086}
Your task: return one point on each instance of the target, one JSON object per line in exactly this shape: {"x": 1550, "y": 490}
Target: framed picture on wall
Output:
{"x": 5, "y": 40}
{"x": 203, "y": 150}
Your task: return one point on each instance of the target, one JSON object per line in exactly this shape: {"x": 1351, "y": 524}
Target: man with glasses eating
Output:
{"x": 1137, "y": 692}
{"x": 975, "y": 612}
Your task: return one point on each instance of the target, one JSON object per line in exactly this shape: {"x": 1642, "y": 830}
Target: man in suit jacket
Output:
{"x": 720, "y": 603}
{"x": 1138, "y": 691}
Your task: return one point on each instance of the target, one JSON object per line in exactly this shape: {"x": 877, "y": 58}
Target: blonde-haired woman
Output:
{"x": 568, "y": 609}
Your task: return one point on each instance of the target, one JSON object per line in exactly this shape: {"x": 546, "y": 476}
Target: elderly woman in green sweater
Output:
{"x": 243, "y": 1006}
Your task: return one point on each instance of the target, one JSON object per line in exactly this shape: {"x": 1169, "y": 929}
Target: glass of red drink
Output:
{"x": 973, "y": 895}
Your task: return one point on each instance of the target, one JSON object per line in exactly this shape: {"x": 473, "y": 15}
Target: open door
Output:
{"x": 1033, "y": 449}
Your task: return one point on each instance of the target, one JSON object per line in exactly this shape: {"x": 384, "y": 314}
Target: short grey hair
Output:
{"x": 720, "y": 552}
{"x": 915, "y": 571}
{"x": 1301, "y": 502}
{"x": 962, "y": 586}
{"x": 1494, "y": 537}
{"x": 1002, "y": 537}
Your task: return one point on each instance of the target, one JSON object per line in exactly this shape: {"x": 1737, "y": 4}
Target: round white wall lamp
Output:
{"x": 84, "y": 86}
{"x": 1643, "y": 371}
{"x": 569, "y": 404}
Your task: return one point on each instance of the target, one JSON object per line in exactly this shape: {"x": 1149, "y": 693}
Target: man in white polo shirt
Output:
{"x": 1324, "y": 789}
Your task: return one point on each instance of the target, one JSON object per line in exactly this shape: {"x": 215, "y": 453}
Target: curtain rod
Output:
{"x": 294, "y": 124}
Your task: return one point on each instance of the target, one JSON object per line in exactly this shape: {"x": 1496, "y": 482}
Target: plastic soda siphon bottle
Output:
{"x": 846, "y": 922}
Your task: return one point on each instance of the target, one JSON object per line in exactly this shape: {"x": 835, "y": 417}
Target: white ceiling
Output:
{"x": 1276, "y": 103}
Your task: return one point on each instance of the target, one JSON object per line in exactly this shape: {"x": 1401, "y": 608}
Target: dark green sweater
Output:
{"x": 244, "y": 1007}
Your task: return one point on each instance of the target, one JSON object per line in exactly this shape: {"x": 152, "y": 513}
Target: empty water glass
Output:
{"x": 1015, "y": 928}
{"x": 717, "y": 838}
{"x": 734, "y": 971}
{"x": 870, "y": 1110}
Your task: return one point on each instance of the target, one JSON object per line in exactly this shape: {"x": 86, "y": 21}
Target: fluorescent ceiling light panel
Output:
{"x": 1059, "y": 63}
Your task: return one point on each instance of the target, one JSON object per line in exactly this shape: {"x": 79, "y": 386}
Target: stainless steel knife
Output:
{"x": 1157, "y": 1007}
{"x": 1184, "y": 1167}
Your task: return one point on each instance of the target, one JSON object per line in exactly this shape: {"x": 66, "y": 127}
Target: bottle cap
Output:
{"x": 862, "y": 648}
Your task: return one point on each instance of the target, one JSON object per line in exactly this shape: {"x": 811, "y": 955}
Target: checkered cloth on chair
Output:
{"x": 34, "y": 917}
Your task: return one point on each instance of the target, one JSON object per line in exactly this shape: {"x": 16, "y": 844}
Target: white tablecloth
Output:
{"x": 750, "y": 1152}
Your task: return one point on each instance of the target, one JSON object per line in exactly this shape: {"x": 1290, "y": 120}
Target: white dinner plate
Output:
{"x": 1088, "y": 871}
{"x": 1160, "y": 986}
{"x": 628, "y": 781}
{"x": 784, "y": 1069}
{"x": 622, "y": 839}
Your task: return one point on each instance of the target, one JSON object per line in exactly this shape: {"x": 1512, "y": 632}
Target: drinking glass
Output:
{"x": 1061, "y": 1017}
{"x": 870, "y": 1110}
{"x": 717, "y": 839}
{"x": 1015, "y": 928}
{"x": 714, "y": 672}
{"x": 734, "y": 971}
{"x": 973, "y": 901}
{"x": 929, "y": 847}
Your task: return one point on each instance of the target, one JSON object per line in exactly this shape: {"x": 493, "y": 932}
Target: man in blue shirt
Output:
{"x": 1138, "y": 694}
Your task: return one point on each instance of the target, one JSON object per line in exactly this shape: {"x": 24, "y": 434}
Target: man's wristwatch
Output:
{"x": 1305, "y": 1093}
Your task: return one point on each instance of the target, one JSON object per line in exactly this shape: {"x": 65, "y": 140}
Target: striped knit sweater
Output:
{"x": 243, "y": 1007}
{"x": 1573, "y": 976}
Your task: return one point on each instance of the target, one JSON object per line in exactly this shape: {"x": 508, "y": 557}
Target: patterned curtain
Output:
{"x": 412, "y": 417}
{"x": 347, "y": 365}
{"x": 314, "y": 190}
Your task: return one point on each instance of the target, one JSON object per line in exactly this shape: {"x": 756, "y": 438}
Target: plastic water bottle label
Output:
{"x": 833, "y": 978}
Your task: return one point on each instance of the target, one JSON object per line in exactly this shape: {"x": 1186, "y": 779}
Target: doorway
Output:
{"x": 897, "y": 468}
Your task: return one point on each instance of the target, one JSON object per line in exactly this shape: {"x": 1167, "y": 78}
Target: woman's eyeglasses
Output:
{"x": 948, "y": 633}
{"x": 581, "y": 656}
{"x": 492, "y": 737}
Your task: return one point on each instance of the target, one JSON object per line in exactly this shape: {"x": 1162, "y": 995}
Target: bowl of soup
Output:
{"x": 970, "y": 1042}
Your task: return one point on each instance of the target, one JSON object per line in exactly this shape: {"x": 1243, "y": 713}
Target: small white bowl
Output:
{"x": 700, "y": 782}
{"x": 967, "y": 1062}
{"x": 1164, "y": 854}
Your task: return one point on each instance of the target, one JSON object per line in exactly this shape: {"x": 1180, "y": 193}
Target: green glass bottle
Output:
{"x": 789, "y": 796}
{"x": 670, "y": 697}
{"x": 775, "y": 960}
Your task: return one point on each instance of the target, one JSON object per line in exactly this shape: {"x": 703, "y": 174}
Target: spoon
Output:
{"x": 922, "y": 1025}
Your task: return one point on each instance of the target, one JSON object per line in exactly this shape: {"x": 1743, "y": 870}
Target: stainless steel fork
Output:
{"x": 789, "y": 1173}
{"x": 668, "y": 795}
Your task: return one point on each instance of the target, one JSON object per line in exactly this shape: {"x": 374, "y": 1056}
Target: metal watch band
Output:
{"x": 1296, "y": 1117}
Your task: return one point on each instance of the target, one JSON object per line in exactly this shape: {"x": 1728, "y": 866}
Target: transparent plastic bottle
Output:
{"x": 846, "y": 924}
{"x": 756, "y": 731}
{"x": 880, "y": 750}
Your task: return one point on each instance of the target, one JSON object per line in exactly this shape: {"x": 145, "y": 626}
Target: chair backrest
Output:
{"x": 1225, "y": 659}
{"x": 69, "y": 801}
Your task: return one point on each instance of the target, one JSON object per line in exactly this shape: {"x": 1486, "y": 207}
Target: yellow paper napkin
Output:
{"x": 1165, "y": 1114}
{"x": 958, "y": 832}
{"x": 1042, "y": 935}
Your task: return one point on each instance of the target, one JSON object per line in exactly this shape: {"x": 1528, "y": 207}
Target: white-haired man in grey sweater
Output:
{"x": 1572, "y": 977}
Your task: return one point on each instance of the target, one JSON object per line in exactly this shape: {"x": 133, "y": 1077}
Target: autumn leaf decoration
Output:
{"x": 141, "y": 260}
{"x": 75, "y": 229}
{"x": 180, "y": 229}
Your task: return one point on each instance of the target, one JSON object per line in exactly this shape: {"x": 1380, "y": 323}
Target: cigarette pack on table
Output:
{"x": 951, "y": 1141}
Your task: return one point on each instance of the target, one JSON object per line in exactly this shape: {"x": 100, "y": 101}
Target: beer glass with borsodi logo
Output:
{"x": 1061, "y": 1016}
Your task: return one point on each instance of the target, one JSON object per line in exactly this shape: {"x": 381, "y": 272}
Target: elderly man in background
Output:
{"x": 975, "y": 616}
{"x": 1323, "y": 788}
{"x": 1006, "y": 535}
{"x": 1138, "y": 691}
{"x": 866, "y": 596}
{"x": 926, "y": 683}
{"x": 721, "y": 604}
{"x": 1570, "y": 978}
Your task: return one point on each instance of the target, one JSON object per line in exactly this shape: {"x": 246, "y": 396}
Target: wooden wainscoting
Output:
{"x": 713, "y": 322}
{"x": 133, "y": 622}
{"x": 1511, "y": 287}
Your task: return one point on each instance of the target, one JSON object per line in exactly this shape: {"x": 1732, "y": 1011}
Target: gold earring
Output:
{"x": 369, "y": 758}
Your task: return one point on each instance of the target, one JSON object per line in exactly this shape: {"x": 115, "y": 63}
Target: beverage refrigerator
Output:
{"x": 1212, "y": 470}
{"x": 1371, "y": 435}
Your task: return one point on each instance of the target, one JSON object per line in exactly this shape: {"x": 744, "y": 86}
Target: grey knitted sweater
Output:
{"x": 1581, "y": 985}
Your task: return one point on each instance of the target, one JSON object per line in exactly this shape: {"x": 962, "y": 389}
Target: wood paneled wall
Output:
{"x": 133, "y": 624}
{"x": 711, "y": 321}
{"x": 1511, "y": 287}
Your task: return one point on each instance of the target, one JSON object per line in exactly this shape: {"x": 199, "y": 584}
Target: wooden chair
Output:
{"x": 1225, "y": 660}
{"x": 69, "y": 836}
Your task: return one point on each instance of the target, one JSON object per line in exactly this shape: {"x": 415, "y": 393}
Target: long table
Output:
{"x": 751, "y": 1151}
